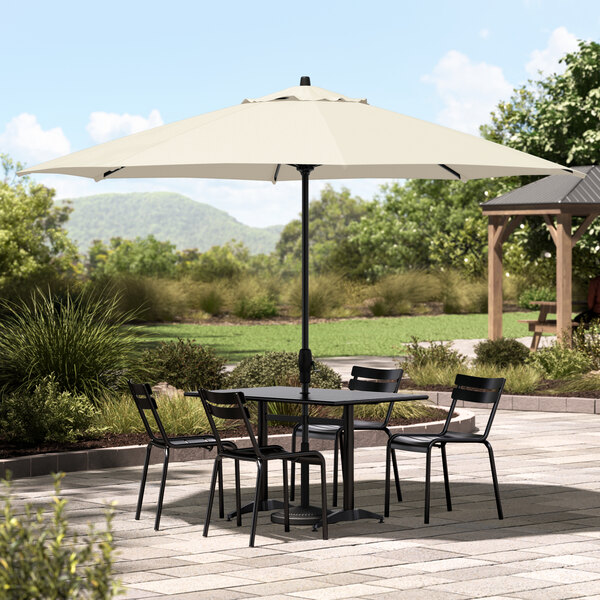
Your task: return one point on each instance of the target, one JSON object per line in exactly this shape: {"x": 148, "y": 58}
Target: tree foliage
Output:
{"x": 32, "y": 238}
{"x": 329, "y": 219}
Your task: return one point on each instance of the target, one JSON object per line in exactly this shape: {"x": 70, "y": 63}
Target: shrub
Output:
{"x": 42, "y": 559}
{"x": 558, "y": 361}
{"x": 326, "y": 295}
{"x": 501, "y": 353}
{"x": 435, "y": 353}
{"x": 587, "y": 341}
{"x": 253, "y": 300}
{"x": 183, "y": 364}
{"x": 398, "y": 294}
{"x": 281, "y": 368}
{"x": 46, "y": 415}
{"x": 180, "y": 415}
{"x": 461, "y": 295}
{"x": 81, "y": 342}
{"x": 533, "y": 293}
{"x": 520, "y": 379}
{"x": 148, "y": 299}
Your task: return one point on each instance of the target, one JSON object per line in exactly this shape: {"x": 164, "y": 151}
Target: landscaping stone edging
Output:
{"x": 129, "y": 456}
{"x": 537, "y": 403}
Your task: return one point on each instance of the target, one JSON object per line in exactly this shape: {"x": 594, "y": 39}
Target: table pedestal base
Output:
{"x": 264, "y": 505}
{"x": 308, "y": 515}
{"x": 348, "y": 515}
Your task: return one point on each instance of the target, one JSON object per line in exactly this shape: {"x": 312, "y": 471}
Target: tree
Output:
{"x": 142, "y": 256}
{"x": 423, "y": 224}
{"x": 329, "y": 219}
{"x": 32, "y": 239}
{"x": 556, "y": 118}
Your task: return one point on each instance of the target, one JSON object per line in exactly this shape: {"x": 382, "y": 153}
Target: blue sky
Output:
{"x": 78, "y": 73}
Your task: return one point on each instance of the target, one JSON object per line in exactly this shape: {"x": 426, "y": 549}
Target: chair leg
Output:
{"x": 388, "y": 454}
{"x": 495, "y": 479}
{"x": 286, "y": 498}
{"x": 324, "y": 501}
{"x": 221, "y": 502}
{"x": 143, "y": 483}
{"x": 335, "y": 470}
{"x": 293, "y": 468}
{"x": 396, "y": 477}
{"x": 238, "y": 495}
{"x": 211, "y": 495}
{"x": 446, "y": 479}
{"x": 427, "y": 484}
{"x": 259, "y": 474}
{"x": 161, "y": 493}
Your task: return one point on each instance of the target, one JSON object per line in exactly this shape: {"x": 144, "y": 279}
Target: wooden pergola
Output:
{"x": 557, "y": 199}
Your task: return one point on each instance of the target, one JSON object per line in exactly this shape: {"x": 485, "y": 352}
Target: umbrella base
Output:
{"x": 299, "y": 515}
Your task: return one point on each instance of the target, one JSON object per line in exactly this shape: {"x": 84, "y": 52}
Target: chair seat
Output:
{"x": 321, "y": 432}
{"x": 189, "y": 441}
{"x": 250, "y": 453}
{"x": 420, "y": 442}
{"x": 359, "y": 424}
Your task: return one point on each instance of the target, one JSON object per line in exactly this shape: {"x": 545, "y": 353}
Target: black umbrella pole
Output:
{"x": 305, "y": 361}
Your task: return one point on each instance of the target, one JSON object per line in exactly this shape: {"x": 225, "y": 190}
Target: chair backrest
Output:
{"x": 144, "y": 400}
{"x": 376, "y": 380}
{"x": 482, "y": 390}
{"x": 228, "y": 406}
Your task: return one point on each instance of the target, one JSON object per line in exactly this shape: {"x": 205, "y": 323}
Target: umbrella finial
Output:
{"x": 305, "y": 80}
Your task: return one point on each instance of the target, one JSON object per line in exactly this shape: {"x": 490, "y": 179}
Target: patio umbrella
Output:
{"x": 299, "y": 133}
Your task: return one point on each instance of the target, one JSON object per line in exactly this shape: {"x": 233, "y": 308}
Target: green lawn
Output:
{"x": 352, "y": 337}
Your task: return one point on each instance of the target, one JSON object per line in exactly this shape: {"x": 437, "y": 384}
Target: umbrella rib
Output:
{"x": 107, "y": 173}
{"x": 276, "y": 174}
{"x": 455, "y": 173}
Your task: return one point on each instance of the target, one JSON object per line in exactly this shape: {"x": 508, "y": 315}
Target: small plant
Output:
{"x": 433, "y": 353}
{"x": 184, "y": 364}
{"x": 46, "y": 415}
{"x": 82, "y": 342}
{"x": 536, "y": 293}
{"x": 503, "y": 352}
{"x": 40, "y": 559}
{"x": 558, "y": 361}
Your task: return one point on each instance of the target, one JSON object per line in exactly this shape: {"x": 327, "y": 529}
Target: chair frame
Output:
{"x": 365, "y": 379}
{"x": 468, "y": 389}
{"x": 231, "y": 405}
{"x": 144, "y": 401}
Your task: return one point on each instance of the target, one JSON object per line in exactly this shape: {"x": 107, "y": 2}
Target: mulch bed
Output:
{"x": 113, "y": 440}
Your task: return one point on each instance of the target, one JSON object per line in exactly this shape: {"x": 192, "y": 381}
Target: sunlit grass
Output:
{"x": 348, "y": 337}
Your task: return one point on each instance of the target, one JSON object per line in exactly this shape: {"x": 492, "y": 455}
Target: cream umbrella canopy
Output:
{"x": 297, "y": 133}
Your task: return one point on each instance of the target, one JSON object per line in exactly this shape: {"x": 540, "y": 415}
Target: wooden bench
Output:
{"x": 538, "y": 327}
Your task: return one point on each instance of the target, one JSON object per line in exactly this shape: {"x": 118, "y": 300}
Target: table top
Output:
{"x": 552, "y": 303}
{"x": 320, "y": 396}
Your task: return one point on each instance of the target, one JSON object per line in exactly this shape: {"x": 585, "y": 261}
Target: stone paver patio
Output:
{"x": 547, "y": 547}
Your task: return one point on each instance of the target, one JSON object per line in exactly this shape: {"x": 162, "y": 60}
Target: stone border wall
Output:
{"x": 129, "y": 456}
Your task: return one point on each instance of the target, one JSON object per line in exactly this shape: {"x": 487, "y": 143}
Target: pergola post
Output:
{"x": 564, "y": 306}
{"x": 495, "y": 225}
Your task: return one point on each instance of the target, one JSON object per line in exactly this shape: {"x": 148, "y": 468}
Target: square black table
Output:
{"x": 306, "y": 514}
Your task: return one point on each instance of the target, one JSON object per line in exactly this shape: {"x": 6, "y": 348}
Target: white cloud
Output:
{"x": 546, "y": 60}
{"x": 469, "y": 90}
{"x": 104, "y": 126}
{"x": 26, "y": 141}
{"x": 484, "y": 33}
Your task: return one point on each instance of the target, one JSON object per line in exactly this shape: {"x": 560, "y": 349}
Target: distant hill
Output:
{"x": 167, "y": 216}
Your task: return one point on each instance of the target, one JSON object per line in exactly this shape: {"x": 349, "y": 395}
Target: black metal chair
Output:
{"x": 365, "y": 379}
{"x": 468, "y": 389}
{"x": 145, "y": 402}
{"x": 231, "y": 406}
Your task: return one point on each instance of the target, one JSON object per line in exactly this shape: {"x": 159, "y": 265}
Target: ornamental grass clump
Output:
{"x": 41, "y": 559}
{"x": 82, "y": 342}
